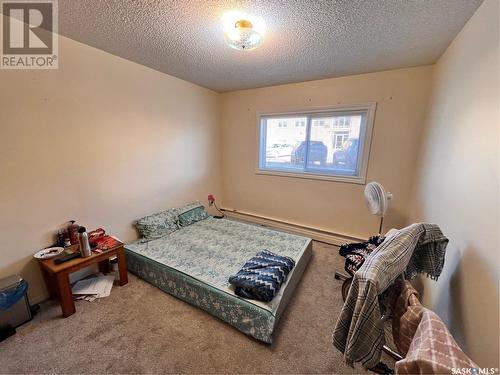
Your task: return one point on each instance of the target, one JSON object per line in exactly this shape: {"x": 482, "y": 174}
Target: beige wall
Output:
{"x": 101, "y": 140}
{"x": 458, "y": 184}
{"x": 104, "y": 140}
{"x": 401, "y": 97}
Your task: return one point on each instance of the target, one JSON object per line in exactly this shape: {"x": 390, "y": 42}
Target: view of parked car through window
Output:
{"x": 324, "y": 143}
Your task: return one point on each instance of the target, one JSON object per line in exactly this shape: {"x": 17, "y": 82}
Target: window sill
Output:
{"x": 312, "y": 176}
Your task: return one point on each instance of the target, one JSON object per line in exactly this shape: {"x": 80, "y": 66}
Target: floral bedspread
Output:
{"x": 211, "y": 250}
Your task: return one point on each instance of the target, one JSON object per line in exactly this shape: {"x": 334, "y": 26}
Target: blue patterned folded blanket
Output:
{"x": 262, "y": 276}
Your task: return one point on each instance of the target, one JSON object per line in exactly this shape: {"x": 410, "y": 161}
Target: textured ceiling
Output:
{"x": 304, "y": 40}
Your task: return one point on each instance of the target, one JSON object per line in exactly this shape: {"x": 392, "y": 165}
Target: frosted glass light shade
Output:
{"x": 243, "y": 36}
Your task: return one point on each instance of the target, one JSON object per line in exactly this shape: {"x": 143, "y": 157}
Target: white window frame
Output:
{"x": 364, "y": 147}
{"x": 340, "y": 133}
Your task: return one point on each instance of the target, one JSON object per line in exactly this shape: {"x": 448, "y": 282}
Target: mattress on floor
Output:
{"x": 195, "y": 262}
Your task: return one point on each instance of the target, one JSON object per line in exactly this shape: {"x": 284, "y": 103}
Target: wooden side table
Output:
{"x": 57, "y": 275}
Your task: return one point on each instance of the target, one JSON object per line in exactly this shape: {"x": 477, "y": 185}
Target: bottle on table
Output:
{"x": 73, "y": 232}
{"x": 83, "y": 240}
{"x": 67, "y": 241}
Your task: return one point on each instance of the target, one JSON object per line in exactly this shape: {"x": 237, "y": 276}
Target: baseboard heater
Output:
{"x": 311, "y": 232}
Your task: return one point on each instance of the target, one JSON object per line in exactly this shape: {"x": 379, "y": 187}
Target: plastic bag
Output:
{"x": 11, "y": 296}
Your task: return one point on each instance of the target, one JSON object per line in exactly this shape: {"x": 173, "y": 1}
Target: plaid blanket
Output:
{"x": 406, "y": 307}
{"x": 262, "y": 276}
{"x": 423, "y": 338}
{"x": 359, "y": 332}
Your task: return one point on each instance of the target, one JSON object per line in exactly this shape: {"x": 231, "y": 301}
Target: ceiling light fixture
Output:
{"x": 241, "y": 34}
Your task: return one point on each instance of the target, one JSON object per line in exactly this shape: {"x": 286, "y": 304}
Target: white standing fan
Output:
{"x": 377, "y": 200}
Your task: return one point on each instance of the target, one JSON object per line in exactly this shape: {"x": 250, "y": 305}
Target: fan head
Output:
{"x": 377, "y": 199}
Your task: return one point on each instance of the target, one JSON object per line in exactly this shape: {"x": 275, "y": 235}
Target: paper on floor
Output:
{"x": 90, "y": 298}
{"x": 99, "y": 286}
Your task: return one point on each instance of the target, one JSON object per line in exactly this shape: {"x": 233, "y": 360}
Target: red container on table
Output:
{"x": 73, "y": 232}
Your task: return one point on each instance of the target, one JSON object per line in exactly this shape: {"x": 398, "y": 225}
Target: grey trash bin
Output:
{"x": 20, "y": 311}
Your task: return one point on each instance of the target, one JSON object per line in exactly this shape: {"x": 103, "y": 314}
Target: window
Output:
{"x": 342, "y": 122}
{"x": 331, "y": 144}
{"x": 339, "y": 138}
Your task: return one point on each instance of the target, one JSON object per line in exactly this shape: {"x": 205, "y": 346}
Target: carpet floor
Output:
{"x": 140, "y": 329}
